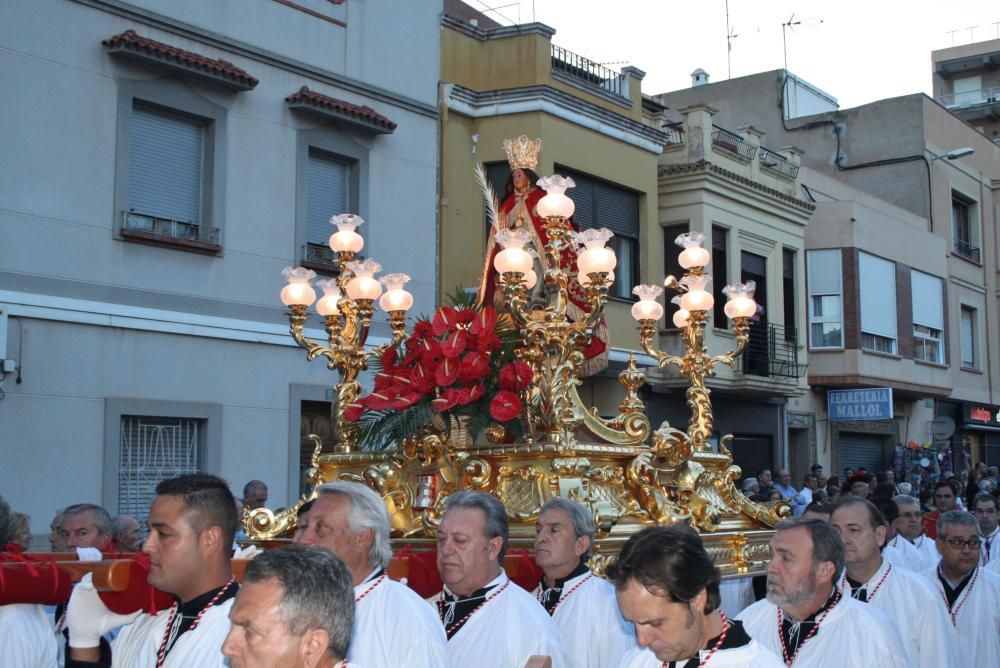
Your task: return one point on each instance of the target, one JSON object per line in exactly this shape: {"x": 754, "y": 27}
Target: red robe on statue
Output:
{"x": 515, "y": 211}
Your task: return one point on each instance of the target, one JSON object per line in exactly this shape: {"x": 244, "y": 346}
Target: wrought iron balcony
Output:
{"x": 967, "y": 250}
{"x": 675, "y": 132}
{"x": 586, "y": 71}
{"x": 777, "y": 163}
{"x": 154, "y": 228}
{"x": 732, "y": 142}
{"x": 773, "y": 350}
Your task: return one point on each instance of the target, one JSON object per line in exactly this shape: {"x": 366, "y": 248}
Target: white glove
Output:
{"x": 88, "y": 554}
{"x": 88, "y": 618}
{"x": 248, "y": 552}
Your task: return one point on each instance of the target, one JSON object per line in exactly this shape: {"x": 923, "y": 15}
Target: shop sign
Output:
{"x": 874, "y": 403}
{"x": 981, "y": 415}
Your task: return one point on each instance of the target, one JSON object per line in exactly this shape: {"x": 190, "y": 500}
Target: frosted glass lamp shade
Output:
{"x": 298, "y": 291}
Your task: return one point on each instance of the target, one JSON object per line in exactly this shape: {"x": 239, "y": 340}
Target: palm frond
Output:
{"x": 489, "y": 197}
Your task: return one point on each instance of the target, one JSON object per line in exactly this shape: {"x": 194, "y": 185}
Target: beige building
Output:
{"x": 901, "y": 270}
{"x": 504, "y": 81}
{"x": 967, "y": 82}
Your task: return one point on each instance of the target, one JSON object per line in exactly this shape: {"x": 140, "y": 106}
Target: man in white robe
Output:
{"x": 900, "y": 553}
{"x": 909, "y": 528}
{"x": 969, "y": 594}
{"x": 294, "y": 610}
{"x": 898, "y": 592}
{"x": 668, "y": 587}
{"x": 192, "y": 522}
{"x": 490, "y": 621}
{"x": 582, "y": 604}
{"x": 805, "y": 619}
{"x": 984, "y": 507}
{"x": 392, "y": 624}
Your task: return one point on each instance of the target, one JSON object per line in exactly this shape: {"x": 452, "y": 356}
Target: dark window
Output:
{"x": 966, "y": 241}
{"x": 756, "y": 359}
{"x": 497, "y": 175}
{"x": 720, "y": 274}
{"x": 788, "y": 291}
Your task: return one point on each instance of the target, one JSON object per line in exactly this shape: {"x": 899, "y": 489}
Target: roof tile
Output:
{"x": 321, "y": 102}
{"x": 130, "y": 41}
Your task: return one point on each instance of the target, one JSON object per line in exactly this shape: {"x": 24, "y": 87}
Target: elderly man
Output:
{"x": 393, "y": 626}
{"x": 294, "y": 610}
{"x": 490, "y": 622}
{"x": 192, "y": 521}
{"x": 807, "y": 557}
{"x": 804, "y": 497}
{"x": 909, "y": 528}
{"x": 668, "y": 586}
{"x": 254, "y": 495}
{"x": 582, "y": 604}
{"x": 900, "y": 593}
{"x": 26, "y": 637}
{"x": 901, "y": 553}
{"x": 945, "y": 500}
{"x": 86, "y": 525}
{"x": 56, "y": 540}
{"x": 784, "y": 485}
{"x": 984, "y": 507}
{"x": 127, "y": 534}
{"x": 971, "y": 595}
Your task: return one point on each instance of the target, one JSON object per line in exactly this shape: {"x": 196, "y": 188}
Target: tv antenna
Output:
{"x": 952, "y": 33}
{"x": 730, "y": 36}
{"x": 970, "y": 29}
{"x": 790, "y": 25}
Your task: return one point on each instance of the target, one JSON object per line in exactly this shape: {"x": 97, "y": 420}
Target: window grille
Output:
{"x": 153, "y": 449}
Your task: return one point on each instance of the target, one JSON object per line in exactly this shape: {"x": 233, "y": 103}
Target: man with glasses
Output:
{"x": 945, "y": 500}
{"x": 970, "y": 594}
{"x": 984, "y": 507}
{"x": 909, "y": 527}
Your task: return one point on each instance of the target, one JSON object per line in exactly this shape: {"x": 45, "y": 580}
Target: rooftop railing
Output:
{"x": 777, "y": 163}
{"x": 732, "y": 142}
{"x": 587, "y": 71}
{"x": 971, "y": 97}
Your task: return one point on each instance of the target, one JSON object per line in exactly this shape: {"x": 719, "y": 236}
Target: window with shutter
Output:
{"x": 877, "y": 286}
{"x": 928, "y": 316}
{"x": 165, "y": 165}
{"x": 967, "y": 326}
{"x": 826, "y": 328}
{"x": 326, "y": 196}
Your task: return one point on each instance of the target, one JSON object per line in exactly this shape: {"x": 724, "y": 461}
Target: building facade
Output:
{"x": 966, "y": 81}
{"x": 164, "y": 162}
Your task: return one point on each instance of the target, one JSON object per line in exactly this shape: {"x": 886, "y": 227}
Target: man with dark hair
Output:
{"x": 900, "y": 553}
{"x": 804, "y": 496}
{"x": 897, "y": 591}
{"x": 807, "y": 557}
{"x": 668, "y": 587}
{"x": 254, "y": 495}
{"x": 393, "y": 626}
{"x": 192, "y": 522}
{"x": 127, "y": 533}
{"x": 294, "y": 610}
{"x": 581, "y": 604}
{"x": 490, "y": 621}
{"x": 26, "y": 634}
{"x": 765, "y": 483}
{"x": 984, "y": 507}
{"x": 86, "y": 525}
{"x": 945, "y": 500}
{"x": 970, "y": 594}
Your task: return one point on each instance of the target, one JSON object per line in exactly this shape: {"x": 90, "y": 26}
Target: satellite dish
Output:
{"x": 942, "y": 428}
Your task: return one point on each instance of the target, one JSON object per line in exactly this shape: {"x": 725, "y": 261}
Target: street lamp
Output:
{"x": 955, "y": 154}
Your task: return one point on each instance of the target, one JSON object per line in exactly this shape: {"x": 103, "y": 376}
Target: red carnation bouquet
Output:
{"x": 461, "y": 363}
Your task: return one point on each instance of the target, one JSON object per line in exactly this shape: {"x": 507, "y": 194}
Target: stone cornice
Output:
{"x": 706, "y": 167}
{"x": 483, "y": 34}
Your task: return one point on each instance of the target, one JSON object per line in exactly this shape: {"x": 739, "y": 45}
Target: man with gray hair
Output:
{"x": 909, "y": 527}
{"x": 582, "y": 605}
{"x": 26, "y": 634}
{"x": 86, "y": 525}
{"x": 294, "y": 610}
{"x": 490, "y": 622}
{"x": 392, "y": 625}
{"x": 127, "y": 533}
{"x": 970, "y": 594}
{"x": 807, "y": 558}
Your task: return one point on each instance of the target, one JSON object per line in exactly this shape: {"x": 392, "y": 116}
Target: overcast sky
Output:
{"x": 864, "y": 50}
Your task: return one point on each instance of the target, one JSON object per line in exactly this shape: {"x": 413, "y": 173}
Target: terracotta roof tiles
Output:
{"x": 325, "y": 103}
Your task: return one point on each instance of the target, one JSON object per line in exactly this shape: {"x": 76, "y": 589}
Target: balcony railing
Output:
{"x": 587, "y": 71}
{"x": 149, "y": 226}
{"x": 772, "y": 351}
{"x": 732, "y": 142}
{"x": 967, "y": 250}
{"x": 320, "y": 257}
{"x": 777, "y": 163}
{"x": 675, "y": 132}
{"x": 971, "y": 97}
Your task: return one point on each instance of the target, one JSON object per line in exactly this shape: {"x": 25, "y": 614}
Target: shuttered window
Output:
{"x": 153, "y": 449}
{"x": 825, "y": 320}
{"x": 877, "y": 287}
{"x": 326, "y": 195}
{"x": 166, "y": 159}
{"x": 928, "y": 316}
{"x": 720, "y": 273}
{"x": 968, "y": 325}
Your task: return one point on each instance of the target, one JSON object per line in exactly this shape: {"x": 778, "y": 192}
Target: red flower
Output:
{"x": 352, "y": 412}
{"x": 485, "y": 321}
{"x": 389, "y": 358}
{"x": 474, "y": 367}
{"x": 446, "y": 373}
{"x": 515, "y": 376}
{"x": 382, "y": 380}
{"x": 444, "y": 402}
{"x": 487, "y": 342}
{"x": 444, "y": 320}
{"x": 465, "y": 316}
{"x": 505, "y": 406}
{"x": 476, "y": 392}
{"x": 422, "y": 330}
{"x": 422, "y": 378}
{"x": 379, "y": 401}
{"x": 456, "y": 343}
{"x": 430, "y": 352}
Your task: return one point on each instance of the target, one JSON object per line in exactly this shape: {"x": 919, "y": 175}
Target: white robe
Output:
{"x": 504, "y": 633}
{"x": 394, "y": 627}
{"x": 978, "y": 620}
{"x": 27, "y": 637}
{"x": 753, "y": 655}
{"x": 994, "y": 566}
{"x": 139, "y": 642}
{"x": 916, "y": 611}
{"x": 994, "y": 548}
{"x": 852, "y": 634}
{"x": 928, "y": 548}
{"x": 736, "y": 594}
{"x": 594, "y": 633}
{"x": 909, "y": 555}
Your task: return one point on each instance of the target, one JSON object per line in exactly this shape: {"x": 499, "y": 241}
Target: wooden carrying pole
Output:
{"x": 107, "y": 575}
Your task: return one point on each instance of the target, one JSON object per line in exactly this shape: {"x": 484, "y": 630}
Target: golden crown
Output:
{"x": 522, "y": 153}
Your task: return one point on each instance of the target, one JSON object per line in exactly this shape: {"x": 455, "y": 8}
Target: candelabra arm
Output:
{"x": 515, "y": 298}
{"x": 297, "y": 322}
{"x": 742, "y": 331}
{"x": 647, "y": 330}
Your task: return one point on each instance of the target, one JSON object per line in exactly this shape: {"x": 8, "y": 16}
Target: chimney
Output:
{"x": 699, "y": 77}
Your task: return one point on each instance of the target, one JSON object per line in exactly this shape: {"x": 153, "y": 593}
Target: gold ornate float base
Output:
{"x": 627, "y": 487}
